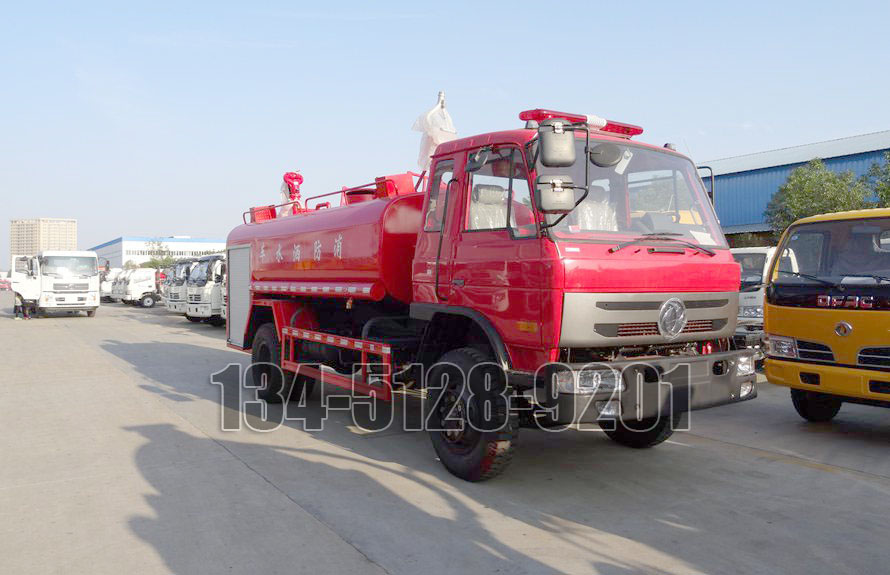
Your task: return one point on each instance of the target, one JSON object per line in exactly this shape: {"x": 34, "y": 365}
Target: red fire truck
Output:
{"x": 556, "y": 274}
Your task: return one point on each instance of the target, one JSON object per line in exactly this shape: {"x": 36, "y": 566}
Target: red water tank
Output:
{"x": 363, "y": 249}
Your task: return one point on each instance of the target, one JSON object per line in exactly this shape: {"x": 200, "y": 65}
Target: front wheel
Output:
{"x": 147, "y": 301}
{"x": 194, "y": 319}
{"x": 642, "y": 433}
{"x": 91, "y": 313}
{"x": 815, "y": 407}
{"x": 471, "y": 427}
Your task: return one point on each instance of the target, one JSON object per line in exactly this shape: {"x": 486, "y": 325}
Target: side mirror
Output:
{"x": 557, "y": 144}
{"x": 217, "y": 278}
{"x": 555, "y": 194}
{"x": 476, "y": 160}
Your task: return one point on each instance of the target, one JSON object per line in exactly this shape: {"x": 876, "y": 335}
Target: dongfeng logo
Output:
{"x": 672, "y": 318}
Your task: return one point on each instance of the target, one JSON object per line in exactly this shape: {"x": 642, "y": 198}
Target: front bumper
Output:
{"x": 659, "y": 386}
{"x": 200, "y": 310}
{"x": 177, "y": 306}
{"x": 848, "y": 382}
{"x": 750, "y": 335}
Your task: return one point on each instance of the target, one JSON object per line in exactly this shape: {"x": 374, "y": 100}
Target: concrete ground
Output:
{"x": 112, "y": 461}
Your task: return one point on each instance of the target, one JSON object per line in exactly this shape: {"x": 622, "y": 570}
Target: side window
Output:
{"x": 438, "y": 189}
{"x": 499, "y": 193}
{"x": 22, "y": 265}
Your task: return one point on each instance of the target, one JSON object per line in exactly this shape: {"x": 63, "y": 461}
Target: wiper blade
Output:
{"x": 809, "y": 277}
{"x": 875, "y": 277}
{"x": 663, "y": 237}
{"x": 753, "y": 287}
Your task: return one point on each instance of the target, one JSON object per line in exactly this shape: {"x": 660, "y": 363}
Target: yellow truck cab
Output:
{"x": 827, "y": 312}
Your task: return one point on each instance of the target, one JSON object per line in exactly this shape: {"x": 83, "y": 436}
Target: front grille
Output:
{"x": 814, "y": 351}
{"x": 875, "y": 356}
{"x": 195, "y": 298}
{"x": 173, "y": 297}
{"x": 70, "y": 287}
{"x": 651, "y": 328}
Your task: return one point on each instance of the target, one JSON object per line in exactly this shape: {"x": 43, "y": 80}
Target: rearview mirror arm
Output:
{"x": 586, "y": 187}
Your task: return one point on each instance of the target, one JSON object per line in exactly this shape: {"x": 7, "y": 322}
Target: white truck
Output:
{"x": 142, "y": 287}
{"x": 57, "y": 281}
{"x": 119, "y": 286}
{"x": 177, "y": 290}
{"x": 106, "y": 282}
{"x": 204, "y": 289}
{"x": 755, "y": 265}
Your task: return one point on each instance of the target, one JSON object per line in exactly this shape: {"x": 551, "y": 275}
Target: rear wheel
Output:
{"x": 816, "y": 407}
{"x": 471, "y": 427}
{"x": 642, "y": 433}
{"x": 274, "y": 385}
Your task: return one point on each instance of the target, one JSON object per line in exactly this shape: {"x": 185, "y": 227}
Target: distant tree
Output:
{"x": 814, "y": 189}
{"x": 879, "y": 181}
{"x": 130, "y": 265}
{"x": 749, "y": 240}
{"x": 160, "y": 255}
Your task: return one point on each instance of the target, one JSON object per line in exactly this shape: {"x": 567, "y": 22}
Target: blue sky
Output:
{"x": 172, "y": 118}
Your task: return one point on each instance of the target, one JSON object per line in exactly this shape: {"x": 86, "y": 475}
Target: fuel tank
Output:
{"x": 362, "y": 249}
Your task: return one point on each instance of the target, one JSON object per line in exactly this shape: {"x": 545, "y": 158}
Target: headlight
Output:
{"x": 745, "y": 365}
{"x": 589, "y": 381}
{"x": 746, "y": 389}
{"x": 781, "y": 346}
{"x": 751, "y": 311}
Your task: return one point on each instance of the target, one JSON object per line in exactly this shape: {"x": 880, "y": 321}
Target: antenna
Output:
{"x": 441, "y": 101}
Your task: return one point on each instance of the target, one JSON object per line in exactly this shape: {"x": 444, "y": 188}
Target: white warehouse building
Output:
{"x": 140, "y": 249}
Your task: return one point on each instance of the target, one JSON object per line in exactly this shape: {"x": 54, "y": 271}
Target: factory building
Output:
{"x": 745, "y": 184}
{"x": 140, "y": 249}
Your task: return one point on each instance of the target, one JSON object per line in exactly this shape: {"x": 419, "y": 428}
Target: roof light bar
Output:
{"x": 595, "y": 122}
{"x": 622, "y": 129}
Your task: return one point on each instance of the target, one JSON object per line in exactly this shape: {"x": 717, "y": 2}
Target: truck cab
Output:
{"x": 177, "y": 288}
{"x": 57, "y": 280}
{"x": 204, "y": 290}
{"x": 755, "y": 263}
{"x": 142, "y": 287}
{"x": 828, "y": 311}
{"x": 106, "y": 283}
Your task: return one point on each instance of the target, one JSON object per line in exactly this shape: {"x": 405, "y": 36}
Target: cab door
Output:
{"x": 431, "y": 269}
{"x": 25, "y": 277}
{"x": 497, "y": 267}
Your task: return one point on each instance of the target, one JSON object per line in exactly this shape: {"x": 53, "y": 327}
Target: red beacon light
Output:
{"x": 595, "y": 122}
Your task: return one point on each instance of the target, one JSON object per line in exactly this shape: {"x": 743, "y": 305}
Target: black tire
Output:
{"x": 194, "y": 319}
{"x": 217, "y": 322}
{"x": 815, "y": 407}
{"x": 642, "y": 433}
{"x": 473, "y": 453}
{"x": 91, "y": 312}
{"x": 267, "y": 349}
{"x": 147, "y": 301}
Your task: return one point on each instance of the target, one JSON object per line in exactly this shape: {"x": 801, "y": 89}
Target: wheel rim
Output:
{"x": 456, "y": 431}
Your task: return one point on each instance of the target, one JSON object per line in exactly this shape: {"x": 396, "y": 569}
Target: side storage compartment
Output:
{"x": 238, "y": 295}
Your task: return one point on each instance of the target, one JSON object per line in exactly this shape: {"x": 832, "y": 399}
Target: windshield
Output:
{"x": 846, "y": 252}
{"x": 752, "y": 268}
{"x": 69, "y": 266}
{"x": 199, "y": 274}
{"x": 640, "y": 191}
{"x": 181, "y": 273}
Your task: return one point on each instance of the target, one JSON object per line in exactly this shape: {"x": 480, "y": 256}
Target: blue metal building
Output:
{"x": 745, "y": 184}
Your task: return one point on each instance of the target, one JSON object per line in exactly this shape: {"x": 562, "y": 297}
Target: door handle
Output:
{"x": 458, "y": 282}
